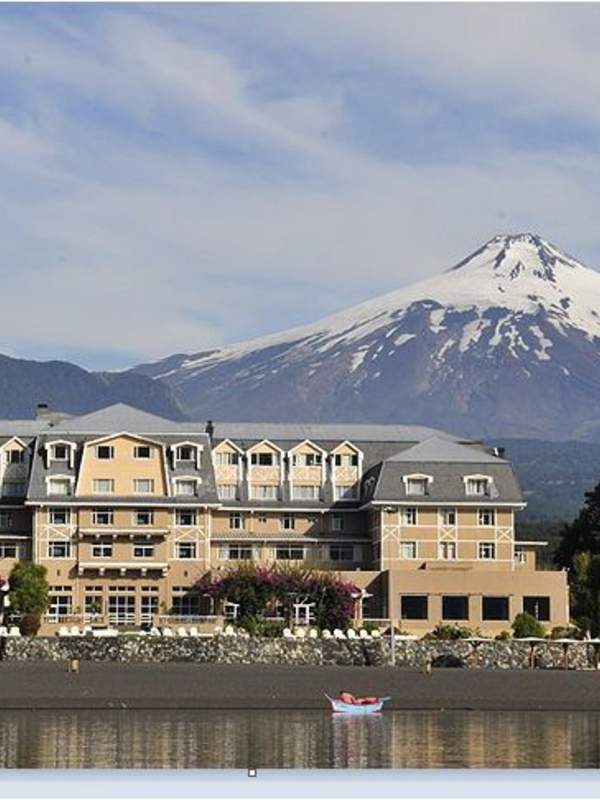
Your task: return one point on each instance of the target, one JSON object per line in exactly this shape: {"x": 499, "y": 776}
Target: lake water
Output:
{"x": 297, "y": 739}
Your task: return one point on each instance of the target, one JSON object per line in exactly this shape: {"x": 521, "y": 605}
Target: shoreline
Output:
{"x": 197, "y": 687}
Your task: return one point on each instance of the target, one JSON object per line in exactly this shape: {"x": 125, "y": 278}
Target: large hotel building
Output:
{"x": 127, "y": 511}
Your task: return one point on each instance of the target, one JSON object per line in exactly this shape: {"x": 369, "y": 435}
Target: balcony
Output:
{"x": 102, "y": 566}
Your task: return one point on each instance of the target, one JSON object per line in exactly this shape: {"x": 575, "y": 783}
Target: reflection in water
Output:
{"x": 241, "y": 739}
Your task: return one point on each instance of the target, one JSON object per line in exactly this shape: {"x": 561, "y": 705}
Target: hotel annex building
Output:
{"x": 127, "y": 511}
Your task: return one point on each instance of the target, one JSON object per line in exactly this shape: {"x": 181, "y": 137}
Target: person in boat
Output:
{"x": 350, "y": 699}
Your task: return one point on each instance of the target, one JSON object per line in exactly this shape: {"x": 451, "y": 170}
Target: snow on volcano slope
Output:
{"x": 507, "y": 342}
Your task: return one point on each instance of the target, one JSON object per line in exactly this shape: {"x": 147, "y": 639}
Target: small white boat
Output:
{"x": 357, "y": 708}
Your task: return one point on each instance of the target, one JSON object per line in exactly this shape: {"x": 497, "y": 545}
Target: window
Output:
{"x": 455, "y": 607}
{"x": 486, "y": 551}
{"x": 414, "y": 606}
{"x": 226, "y": 459}
{"x": 477, "y": 486}
{"x": 59, "y": 452}
{"x": 142, "y": 451}
{"x": 262, "y": 518}
{"x": 9, "y": 550}
{"x": 289, "y": 553}
{"x": 185, "y": 452}
{"x": 59, "y": 486}
{"x": 520, "y": 556}
{"x": 447, "y": 551}
{"x": 265, "y": 492}
{"x": 487, "y": 517}
{"x": 15, "y": 456}
{"x": 228, "y": 491}
{"x": 184, "y": 488}
{"x": 121, "y": 608}
{"x": 6, "y": 519}
{"x": 346, "y": 460}
{"x": 59, "y": 549}
{"x": 408, "y": 549}
{"x": 144, "y": 550}
{"x": 186, "y": 603}
{"x": 494, "y": 608}
{"x": 102, "y": 550}
{"x": 235, "y": 552}
{"x": 236, "y": 521}
{"x": 264, "y": 459}
{"x": 61, "y": 605}
{"x": 185, "y": 550}
{"x": 416, "y": 485}
{"x": 148, "y": 608}
{"x": 288, "y": 522}
{"x": 143, "y": 516}
{"x": 341, "y": 552}
{"x": 185, "y": 517}
{"x": 306, "y": 492}
{"x": 143, "y": 485}
{"x": 105, "y": 452}
{"x": 345, "y": 492}
{"x": 93, "y": 606}
{"x": 307, "y": 459}
{"x": 409, "y": 516}
{"x": 103, "y": 486}
{"x": 103, "y": 516}
{"x": 538, "y": 607}
{"x": 337, "y": 522}
{"x": 59, "y": 516}
{"x": 448, "y": 517}
{"x": 13, "y": 488}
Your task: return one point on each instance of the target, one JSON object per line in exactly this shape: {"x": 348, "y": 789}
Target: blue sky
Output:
{"x": 180, "y": 176}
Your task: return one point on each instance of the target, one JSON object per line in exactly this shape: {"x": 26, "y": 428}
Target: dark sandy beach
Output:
{"x": 197, "y": 686}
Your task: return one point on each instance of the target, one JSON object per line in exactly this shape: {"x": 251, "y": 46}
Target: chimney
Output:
{"x": 42, "y": 411}
{"x": 210, "y": 429}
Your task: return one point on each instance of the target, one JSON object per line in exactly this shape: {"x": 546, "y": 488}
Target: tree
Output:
{"x": 526, "y": 625}
{"x": 29, "y": 595}
{"x": 583, "y": 534}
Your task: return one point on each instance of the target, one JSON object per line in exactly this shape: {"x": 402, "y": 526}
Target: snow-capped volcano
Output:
{"x": 507, "y": 342}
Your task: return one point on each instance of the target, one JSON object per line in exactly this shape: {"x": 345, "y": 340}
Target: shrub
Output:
{"x": 28, "y": 594}
{"x": 503, "y": 636}
{"x": 569, "y": 632}
{"x": 526, "y": 625}
{"x": 452, "y": 632}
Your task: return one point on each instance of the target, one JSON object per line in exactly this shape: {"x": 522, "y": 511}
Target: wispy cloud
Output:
{"x": 178, "y": 177}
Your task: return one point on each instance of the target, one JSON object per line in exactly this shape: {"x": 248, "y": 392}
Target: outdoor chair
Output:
{"x": 287, "y": 634}
{"x": 154, "y": 631}
{"x": 14, "y": 631}
{"x": 193, "y": 631}
{"x": 364, "y": 634}
{"x": 3, "y": 630}
{"x": 326, "y": 633}
{"x": 376, "y": 634}
{"x": 181, "y": 632}
{"x": 351, "y": 634}
{"x": 75, "y": 630}
{"x": 313, "y": 633}
{"x": 338, "y": 634}
{"x": 167, "y": 632}
{"x": 63, "y": 631}
{"x": 300, "y": 633}
{"x": 229, "y": 631}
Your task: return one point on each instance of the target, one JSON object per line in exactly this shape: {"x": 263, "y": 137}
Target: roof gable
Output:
{"x": 122, "y": 417}
{"x": 437, "y": 449}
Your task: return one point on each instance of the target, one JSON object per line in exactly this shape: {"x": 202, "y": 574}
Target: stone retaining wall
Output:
{"x": 240, "y": 650}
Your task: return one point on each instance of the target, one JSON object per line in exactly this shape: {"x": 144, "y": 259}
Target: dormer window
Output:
{"x": 15, "y": 456}
{"x": 346, "y": 459}
{"x": 185, "y": 453}
{"x": 60, "y": 485}
{"x": 59, "y": 452}
{"x": 478, "y": 486}
{"x": 307, "y": 460}
{"x": 264, "y": 459}
{"x": 185, "y": 487}
{"x": 417, "y": 484}
{"x": 227, "y": 459}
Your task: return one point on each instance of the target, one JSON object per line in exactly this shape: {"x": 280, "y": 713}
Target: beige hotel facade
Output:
{"x": 128, "y": 511}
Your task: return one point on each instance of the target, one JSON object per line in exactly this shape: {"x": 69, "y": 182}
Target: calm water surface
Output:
{"x": 298, "y": 739}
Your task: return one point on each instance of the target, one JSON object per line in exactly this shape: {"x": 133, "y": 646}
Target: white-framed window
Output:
{"x": 6, "y": 519}
{"x": 185, "y": 452}
{"x": 486, "y": 551}
{"x": 447, "y": 551}
{"x": 185, "y": 517}
{"x": 448, "y": 517}
{"x": 59, "y": 548}
{"x": 227, "y": 459}
{"x": 346, "y": 459}
{"x": 477, "y": 487}
{"x": 341, "y": 552}
{"x": 520, "y": 556}
{"x": 8, "y": 550}
{"x": 307, "y": 492}
{"x": 59, "y": 516}
{"x": 103, "y": 486}
{"x": 236, "y": 521}
{"x": 345, "y": 492}
{"x": 337, "y": 522}
{"x": 143, "y": 516}
{"x": 185, "y": 487}
{"x": 408, "y": 550}
{"x": 60, "y": 452}
{"x": 417, "y": 486}
{"x": 486, "y": 517}
{"x": 103, "y": 516}
{"x": 409, "y": 516}
{"x": 143, "y": 550}
{"x": 264, "y": 492}
{"x": 264, "y": 459}
{"x": 237, "y": 552}
{"x": 307, "y": 459}
{"x": 185, "y": 550}
{"x": 15, "y": 456}
{"x": 288, "y": 522}
{"x": 102, "y": 550}
{"x": 143, "y": 452}
{"x": 105, "y": 452}
{"x": 59, "y": 486}
{"x": 227, "y": 491}
{"x": 13, "y": 488}
{"x": 143, "y": 485}
{"x": 61, "y": 605}
{"x": 289, "y": 552}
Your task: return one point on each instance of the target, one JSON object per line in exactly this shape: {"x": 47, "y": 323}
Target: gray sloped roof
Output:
{"x": 448, "y": 482}
{"x": 297, "y": 432}
{"x": 437, "y": 449}
{"x": 122, "y": 417}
